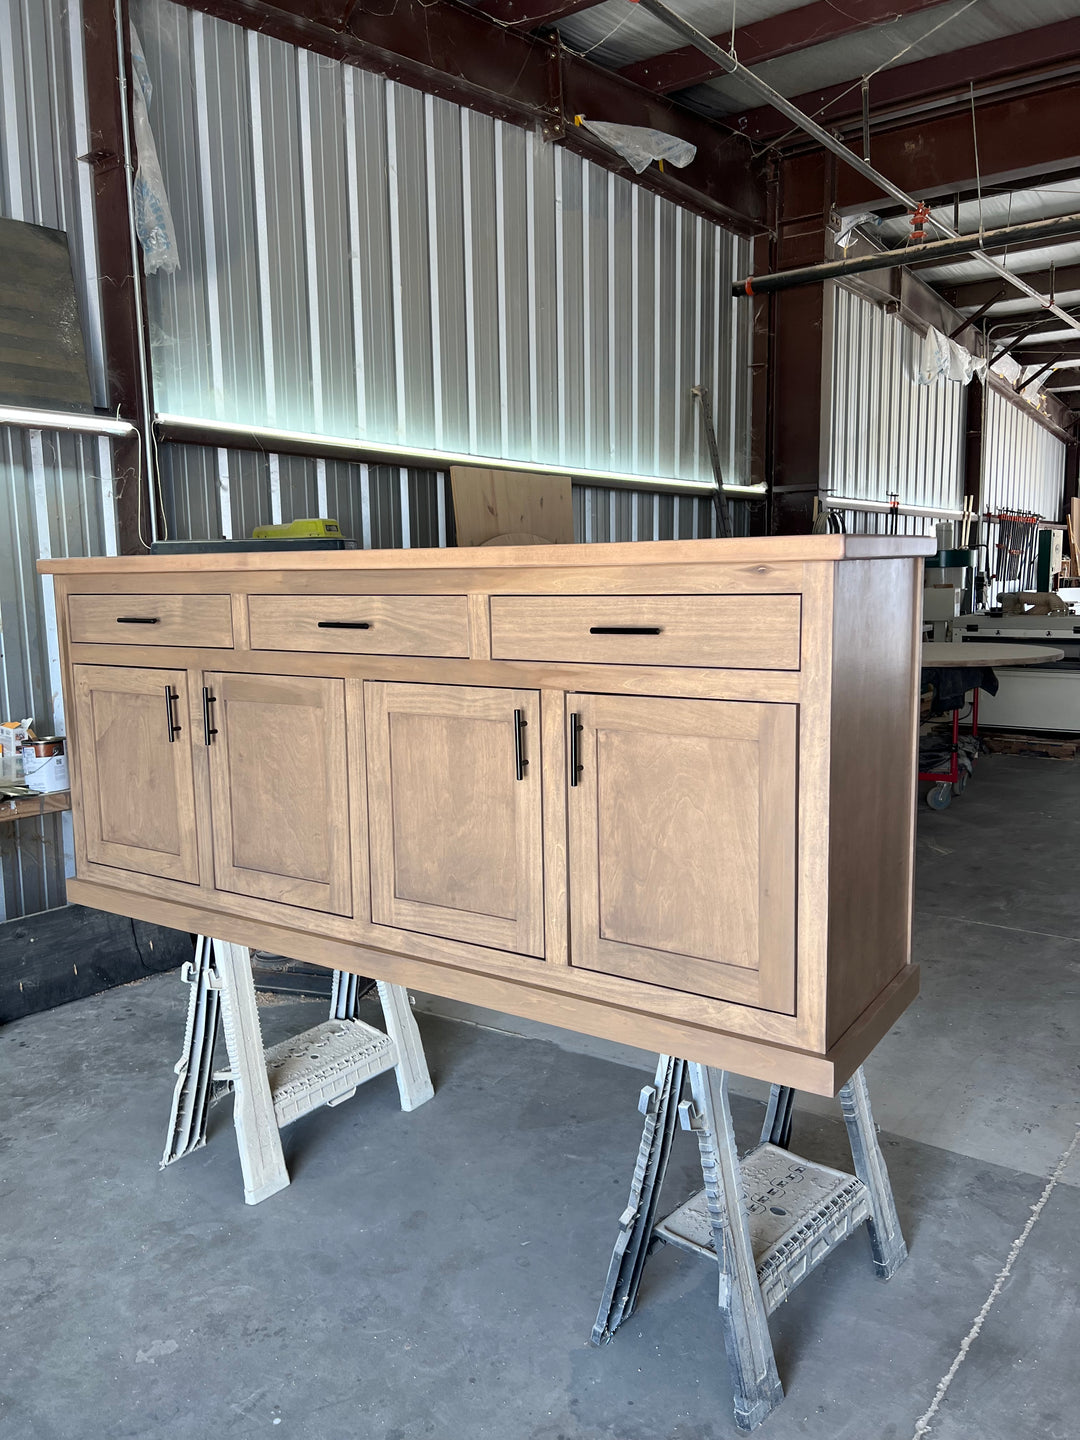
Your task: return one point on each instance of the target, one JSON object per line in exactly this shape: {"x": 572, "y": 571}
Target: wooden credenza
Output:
{"x": 660, "y": 792}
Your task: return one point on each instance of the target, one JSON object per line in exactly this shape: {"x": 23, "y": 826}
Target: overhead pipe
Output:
{"x": 1059, "y": 226}
{"x": 830, "y": 142}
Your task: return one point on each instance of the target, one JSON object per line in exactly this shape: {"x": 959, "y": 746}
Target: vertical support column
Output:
{"x": 413, "y": 1080}
{"x": 886, "y": 1240}
{"x": 257, "y": 1134}
{"x": 798, "y": 380}
{"x": 123, "y": 304}
{"x": 742, "y": 1310}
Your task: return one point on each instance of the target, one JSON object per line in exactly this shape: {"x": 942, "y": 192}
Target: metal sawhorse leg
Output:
{"x": 323, "y": 1066}
{"x": 766, "y": 1220}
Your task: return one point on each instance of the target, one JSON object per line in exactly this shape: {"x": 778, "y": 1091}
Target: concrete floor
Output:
{"x": 437, "y": 1274}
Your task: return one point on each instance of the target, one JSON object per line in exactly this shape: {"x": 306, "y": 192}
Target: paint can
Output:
{"x": 45, "y": 767}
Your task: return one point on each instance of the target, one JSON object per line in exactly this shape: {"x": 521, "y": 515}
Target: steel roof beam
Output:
{"x": 937, "y": 75}
{"x": 1063, "y": 279}
{"x": 763, "y": 40}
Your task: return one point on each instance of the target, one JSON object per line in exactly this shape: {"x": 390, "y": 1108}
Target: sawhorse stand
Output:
{"x": 322, "y": 1066}
{"x": 767, "y": 1220}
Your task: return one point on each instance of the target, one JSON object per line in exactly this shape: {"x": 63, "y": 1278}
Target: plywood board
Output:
{"x": 42, "y": 355}
{"x": 499, "y": 505}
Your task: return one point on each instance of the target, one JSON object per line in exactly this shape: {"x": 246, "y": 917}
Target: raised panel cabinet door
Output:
{"x": 279, "y": 788}
{"x": 133, "y": 761}
{"x": 682, "y": 844}
{"x": 454, "y": 809}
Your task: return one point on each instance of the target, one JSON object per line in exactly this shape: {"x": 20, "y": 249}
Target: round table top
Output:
{"x": 948, "y": 655}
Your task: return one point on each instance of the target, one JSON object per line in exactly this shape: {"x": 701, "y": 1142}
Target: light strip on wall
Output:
{"x": 374, "y": 450}
{"x": 85, "y": 423}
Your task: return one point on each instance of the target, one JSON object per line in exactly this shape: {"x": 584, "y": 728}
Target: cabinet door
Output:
{"x": 133, "y": 757}
{"x": 454, "y": 811}
{"x": 682, "y": 844}
{"x": 279, "y": 789}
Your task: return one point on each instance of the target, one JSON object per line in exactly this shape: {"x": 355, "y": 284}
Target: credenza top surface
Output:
{"x": 750, "y": 550}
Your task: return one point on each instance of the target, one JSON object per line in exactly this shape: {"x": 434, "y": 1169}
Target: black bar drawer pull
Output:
{"x": 576, "y": 766}
{"x": 344, "y": 625}
{"x": 174, "y": 728}
{"x": 207, "y": 700}
{"x": 520, "y": 762}
{"x": 137, "y": 619}
{"x": 625, "y": 629}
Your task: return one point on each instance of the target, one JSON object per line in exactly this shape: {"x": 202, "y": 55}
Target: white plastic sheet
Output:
{"x": 940, "y": 358}
{"x": 153, "y": 218}
{"x": 640, "y": 146}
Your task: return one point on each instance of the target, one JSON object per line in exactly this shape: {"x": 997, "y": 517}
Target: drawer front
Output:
{"x": 435, "y": 625}
{"x": 202, "y": 620}
{"x": 742, "y": 632}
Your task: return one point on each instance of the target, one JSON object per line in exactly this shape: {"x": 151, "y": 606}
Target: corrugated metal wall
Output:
{"x": 55, "y": 499}
{"x": 358, "y": 259}
{"x": 888, "y": 434}
{"x": 210, "y": 493}
{"x": 55, "y": 489}
{"x": 1023, "y": 467}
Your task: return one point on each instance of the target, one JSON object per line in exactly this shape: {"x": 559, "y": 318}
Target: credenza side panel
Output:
{"x": 875, "y": 696}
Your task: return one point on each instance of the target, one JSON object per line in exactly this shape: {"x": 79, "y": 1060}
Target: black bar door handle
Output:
{"x": 576, "y": 766}
{"x": 137, "y": 619}
{"x": 344, "y": 625}
{"x": 520, "y": 762}
{"x": 174, "y": 728}
{"x": 207, "y": 700}
{"x": 624, "y": 629}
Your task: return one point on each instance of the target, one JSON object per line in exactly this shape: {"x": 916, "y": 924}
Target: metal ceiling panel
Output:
{"x": 616, "y": 33}
{"x": 906, "y": 40}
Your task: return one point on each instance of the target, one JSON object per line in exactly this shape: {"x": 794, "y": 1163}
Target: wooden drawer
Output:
{"x": 435, "y": 625}
{"x": 742, "y": 632}
{"x": 202, "y": 620}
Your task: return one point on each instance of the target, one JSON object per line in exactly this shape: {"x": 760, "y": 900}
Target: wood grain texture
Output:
{"x": 492, "y": 506}
{"x": 783, "y": 686}
{"x": 669, "y": 881}
{"x": 279, "y": 789}
{"x": 442, "y": 955}
{"x": 769, "y": 550}
{"x": 819, "y": 1074}
{"x": 137, "y": 790}
{"x": 696, "y": 979}
{"x": 745, "y": 632}
{"x": 203, "y": 620}
{"x": 601, "y": 577}
{"x": 875, "y": 688}
{"x": 429, "y": 625}
{"x": 815, "y": 764}
{"x": 456, "y": 846}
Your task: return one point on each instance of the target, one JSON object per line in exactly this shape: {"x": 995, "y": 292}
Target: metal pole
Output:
{"x": 1059, "y": 226}
{"x": 731, "y": 66}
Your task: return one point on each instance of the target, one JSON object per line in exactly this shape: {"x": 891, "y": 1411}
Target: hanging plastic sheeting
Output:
{"x": 638, "y": 145}
{"x": 153, "y": 218}
{"x": 940, "y": 358}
